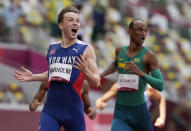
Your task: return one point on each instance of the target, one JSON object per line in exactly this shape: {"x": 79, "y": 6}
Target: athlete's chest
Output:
{"x": 60, "y": 64}
{"x": 64, "y": 55}
{"x": 58, "y": 51}
{"x": 123, "y": 59}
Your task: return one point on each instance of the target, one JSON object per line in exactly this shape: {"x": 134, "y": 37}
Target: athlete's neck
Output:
{"x": 67, "y": 43}
{"x": 134, "y": 47}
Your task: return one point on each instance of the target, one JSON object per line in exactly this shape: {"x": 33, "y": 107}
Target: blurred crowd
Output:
{"x": 104, "y": 24}
{"x": 12, "y": 93}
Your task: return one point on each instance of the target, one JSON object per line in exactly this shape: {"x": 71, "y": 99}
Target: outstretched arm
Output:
{"x": 39, "y": 96}
{"x": 102, "y": 102}
{"x": 27, "y": 75}
{"x": 90, "y": 112}
{"x": 160, "y": 121}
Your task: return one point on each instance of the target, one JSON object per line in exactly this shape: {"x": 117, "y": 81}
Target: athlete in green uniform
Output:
{"x": 136, "y": 66}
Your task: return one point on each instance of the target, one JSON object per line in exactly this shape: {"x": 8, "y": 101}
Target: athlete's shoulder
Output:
{"x": 150, "y": 57}
{"x": 89, "y": 46}
{"x": 150, "y": 53}
{"x": 55, "y": 43}
{"x": 89, "y": 49}
{"x": 82, "y": 42}
{"x": 118, "y": 50}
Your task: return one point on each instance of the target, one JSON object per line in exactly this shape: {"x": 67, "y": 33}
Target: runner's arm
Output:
{"x": 101, "y": 102}
{"x": 39, "y": 96}
{"x": 87, "y": 65}
{"x": 113, "y": 66}
{"x": 27, "y": 75}
{"x": 155, "y": 79}
{"x": 90, "y": 111}
{"x": 161, "y": 102}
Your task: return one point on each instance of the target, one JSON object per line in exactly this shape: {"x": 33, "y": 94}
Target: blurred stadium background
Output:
{"x": 28, "y": 26}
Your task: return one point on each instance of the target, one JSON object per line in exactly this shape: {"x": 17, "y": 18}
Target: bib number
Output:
{"x": 60, "y": 71}
{"x": 127, "y": 82}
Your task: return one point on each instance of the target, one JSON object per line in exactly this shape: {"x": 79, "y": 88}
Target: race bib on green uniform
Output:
{"x": 128, "y": 82}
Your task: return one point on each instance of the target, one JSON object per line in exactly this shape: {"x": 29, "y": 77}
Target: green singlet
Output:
{"x": 131, "y": 98}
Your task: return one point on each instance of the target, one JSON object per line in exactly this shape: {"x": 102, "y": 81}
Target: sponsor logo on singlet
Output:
{"x": 121, "y": 63}
{"x": 76, "y": 50}
{"x": 52, "y": 52}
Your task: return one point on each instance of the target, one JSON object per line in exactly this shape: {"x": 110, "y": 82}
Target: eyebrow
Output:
{"x": 73, "y": 17}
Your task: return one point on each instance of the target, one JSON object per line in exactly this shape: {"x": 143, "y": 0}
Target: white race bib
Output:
{"x": 59, "y": 70}
{"x": 128, "y": 82}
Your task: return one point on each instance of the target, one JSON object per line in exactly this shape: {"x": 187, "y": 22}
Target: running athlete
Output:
{"x": 90, "y": 111}
{"x": 136, "y": 66}
{"x": 150, "y": 94}
{"x": 70, "y": 62}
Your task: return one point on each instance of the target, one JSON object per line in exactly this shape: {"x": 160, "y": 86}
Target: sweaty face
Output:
{"x": 139, "y": 32}
{"x": 70, "y": 25}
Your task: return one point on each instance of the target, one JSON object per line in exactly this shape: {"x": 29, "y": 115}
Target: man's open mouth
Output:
{"x": 142, "y": 38}
{"x": 74, "y": 30}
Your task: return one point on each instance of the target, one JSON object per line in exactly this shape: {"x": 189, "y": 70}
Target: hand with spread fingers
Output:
{"x": 26, "y": 75}
{"x": 81, "y": 64}
{"x": 88, "y": 67}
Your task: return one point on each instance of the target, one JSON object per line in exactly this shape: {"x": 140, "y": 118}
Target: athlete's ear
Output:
{"x": 60, "y": 26}
{"x": 129, "y": 31}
